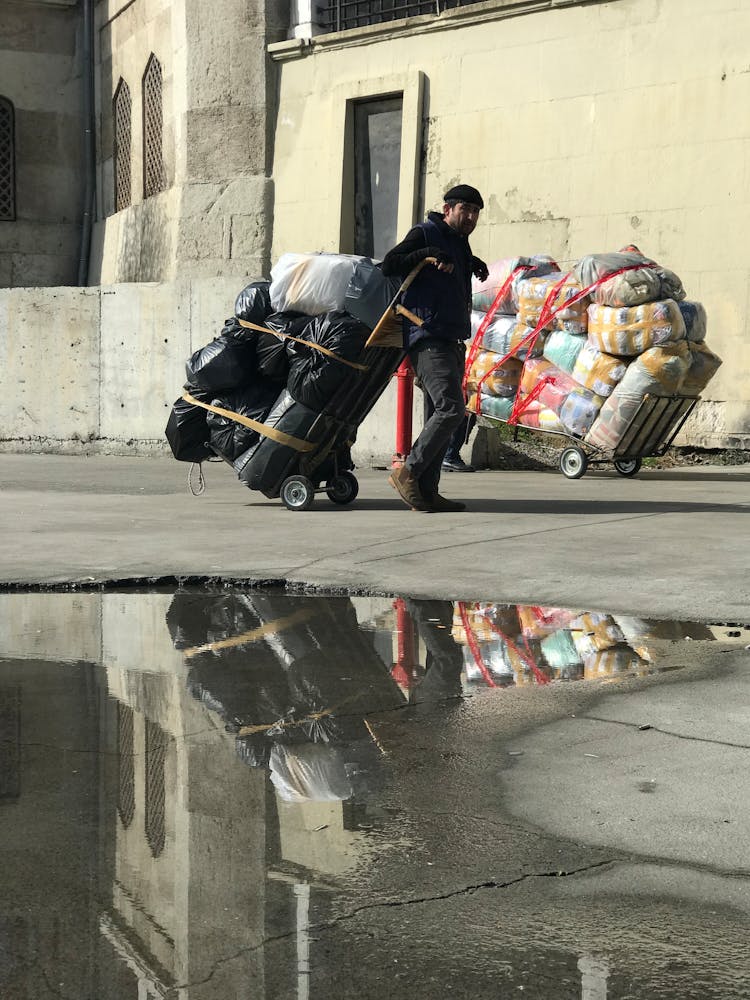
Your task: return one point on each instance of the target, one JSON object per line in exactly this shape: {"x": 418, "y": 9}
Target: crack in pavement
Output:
{"x": 666, "y": 732}
{"x": 329, "y": 924}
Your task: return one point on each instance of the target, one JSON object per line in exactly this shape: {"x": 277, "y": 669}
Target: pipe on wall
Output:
{"x": 89, "y": 152}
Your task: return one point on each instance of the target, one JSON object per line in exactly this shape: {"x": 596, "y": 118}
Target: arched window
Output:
{"x": 154, "y": 179}
{"x": 7, "y": 162}
{"x": 156, "y": 753}
{"x": 121, "y": 108}
{"x": 125, "y": 765}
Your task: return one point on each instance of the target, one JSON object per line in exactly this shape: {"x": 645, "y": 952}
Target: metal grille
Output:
{"x": 156, "y": 752}
{"x": 121, "y": 113}
{"x": 154, "y": 179}
{"x": 125, "y": 765}
{"x": 337, "y": 15}
{"x": 7, "y": 162}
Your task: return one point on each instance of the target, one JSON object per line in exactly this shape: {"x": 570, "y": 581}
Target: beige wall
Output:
{"x": 586, "y": 128}
{"x": 40, "y": 74}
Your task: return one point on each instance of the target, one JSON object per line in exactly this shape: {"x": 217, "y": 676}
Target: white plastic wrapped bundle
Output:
{"x": 628, "y": 331}
{"x": 562, "y": 348}
{"x": 484, "y": 292}
{"x": 555, "y": 391}
{"x": 704, "y": 364}
{"x": 644, "y": 284}
{"x": 533, "y": 293}
{"x": 659, "y": 371}
{"x": 504, "y": 334}
{"x": 579, "y": 411}
{"x": 311, "y": 283}
{"x": 502, "y": 382}
{"x": 540, "y": 417}
{"x": 619, "y": 659}
{"x": 696, "y": 321}
{"x": 614, "y": 418}
{"x": 597, "y": 371}
{"x": 559, "y": 650}
{"x": 309, "y": 772}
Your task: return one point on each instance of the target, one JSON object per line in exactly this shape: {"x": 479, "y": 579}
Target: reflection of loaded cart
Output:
{"x": 650, "y": 431}
{"x": 305, "y": 451}
{"x": 647, "y": 426}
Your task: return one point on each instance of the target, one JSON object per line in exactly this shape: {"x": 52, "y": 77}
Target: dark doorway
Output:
{"x": 377, "y": 160}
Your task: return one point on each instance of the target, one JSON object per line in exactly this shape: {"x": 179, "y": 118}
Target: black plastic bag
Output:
{"x": 369, "y": 292}
{"x": 229, "y": 438}
{"x": 187, "y": 430}
{"x": 314, "y": 376}
{"x": 226, "y": 363}
{"x": 254, "y": 302}
{"x": 270, "y": 351}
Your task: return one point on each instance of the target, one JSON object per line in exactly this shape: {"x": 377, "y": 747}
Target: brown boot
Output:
{"x": 442, "y": 505}
{"x": 407, "y": 487}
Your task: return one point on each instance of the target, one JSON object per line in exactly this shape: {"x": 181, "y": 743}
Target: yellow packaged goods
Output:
{"x": 643, "y": 281}
{"x": 593, "y": 631}
{"x": 704, "y": 364}
{"x": 502, "y": 382}
{"x": 555, "y": 389}
{"x": 610, "y": 662}
{"x": 533, "y": 293}
{"x": 630, "y": 331}
{"x": 659, "y": 371}
{"x": 505, "y": 334}
{"x": 484, "y": 293}
{"x": 597, "y": 371}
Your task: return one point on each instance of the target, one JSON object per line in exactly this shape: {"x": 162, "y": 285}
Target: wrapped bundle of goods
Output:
{"x": 694, "y": 317}
{"x": 499, "y": 407}
{"x": 628, "y": 331}
{"x": 496, "y": 381}
{"x": 558, "y": 294}
{"x": 597, "y": 371}
{"x": 539, "y": 417}
{"x": 562, "y": 348}
{"x": 593, "y": 631}
{"x": 552, "y": 384}
{"x": 505, "y": 335}
{"x": 486, "y": 620}
{"x": 704, "y": 364}
{"x": 579, "y": 411}
{"x": 537, "y": 621}
{"x": 559, "y": 650}
{"x": 504, "y": 275}
{"x": 619, "y": 659}
{"x": 613, "y": 420}
{"x": 627, "y": 278}
{"x": 659, "y": 371}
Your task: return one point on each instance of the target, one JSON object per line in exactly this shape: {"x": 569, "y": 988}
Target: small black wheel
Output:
{"x": 343, "y": 488}
{"x": 628, "y": 466}
{"x": 297, "y": 493}
{"x": 573, "y": 463}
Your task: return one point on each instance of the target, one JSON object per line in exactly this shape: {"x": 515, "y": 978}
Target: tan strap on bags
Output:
{"x": 270, "y": 432}
{"x": 307, "y": 343}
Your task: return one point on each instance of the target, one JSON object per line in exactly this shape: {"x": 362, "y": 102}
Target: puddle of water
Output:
{"x": 207, "y": 788}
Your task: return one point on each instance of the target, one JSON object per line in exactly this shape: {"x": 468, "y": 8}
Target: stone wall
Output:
{"x": 40, "y": 74}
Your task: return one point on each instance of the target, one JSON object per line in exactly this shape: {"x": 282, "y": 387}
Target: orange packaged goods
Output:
{"x": 496, "y": 381}
{"x": 704, "y": 364}
{"x": 556, "y": 385}
{"x": 631, "y": 331}
{"x": 568, "y": 315}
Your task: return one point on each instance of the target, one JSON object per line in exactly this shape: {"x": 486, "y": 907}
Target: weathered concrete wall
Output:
{"x": 40, "y": 74}
{"x": 586, "y": 127}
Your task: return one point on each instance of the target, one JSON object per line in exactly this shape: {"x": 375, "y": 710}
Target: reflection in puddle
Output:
{"x": 200, "y": 782}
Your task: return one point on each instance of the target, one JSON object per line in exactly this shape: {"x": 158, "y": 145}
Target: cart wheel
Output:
{"x": 297, "y": 493}
{"x": 573, "y": 463}
{"x": 343, "y": 488}
{"x": 628, "y": 466}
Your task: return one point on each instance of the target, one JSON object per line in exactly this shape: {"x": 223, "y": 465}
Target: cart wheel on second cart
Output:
{"x": 297, "y": 493}
{"x": 343, "y": 488}
{"x": 573, "y": 463}
{"x": 628, "y": 466}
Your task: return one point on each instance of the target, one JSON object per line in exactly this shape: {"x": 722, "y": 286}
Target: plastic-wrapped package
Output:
{"x": 533, "y": 293}
{"x": 629, "y": 331}
{"x": 314, "y": 376}
{"x": 696, "y": 321}
{"x": 484, "y": 292}
{"x": 187, "y": 430}
{"x": 309, "y": 772}
{"x": 619, "y": 659}
{"x": 579, "y": 411}
{"x": 562, "y": 348}
{"x": 230, "y": 438}
{"x": 369, "y": 293}
{"x": 614, "y": 418}
{"x": 554, "y": 392}
{"x": 504, "y": 334}
{"x": 559, "y": 650}
{"x": 312, "y": 283}
{"x": 254, "y": 302}
{"x": 540, "y": 417}
{"x": 601, "y": 630}
{"x": 644, "y": 284}
{"x": 225, "y": 363}
{"x": 597, "y": 371}
{"x": 502, "y": 382}
{"x": 704, "y": 364}
{"x": 492, "y": 406}
{"x": 659, "y": 371}
{"x": 538, "y": 621}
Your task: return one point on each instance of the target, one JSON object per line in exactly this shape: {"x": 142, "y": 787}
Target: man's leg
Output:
{"x": 452, "y": 462}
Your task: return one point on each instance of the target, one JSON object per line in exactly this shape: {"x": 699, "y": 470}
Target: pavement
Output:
{"x": 666, "y": 543}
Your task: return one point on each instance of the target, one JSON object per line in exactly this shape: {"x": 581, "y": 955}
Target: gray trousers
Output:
{"x": 439, "y": 368}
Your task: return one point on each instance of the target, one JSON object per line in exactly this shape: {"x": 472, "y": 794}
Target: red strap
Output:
{"x": 474, "y": 646}
{"x": 539, "y": 676}
{"x": 488, "y": 317}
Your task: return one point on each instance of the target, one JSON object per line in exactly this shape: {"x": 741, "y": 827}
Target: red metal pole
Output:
{"x": 406, "y": 671}
{"x": 404, "y": 402}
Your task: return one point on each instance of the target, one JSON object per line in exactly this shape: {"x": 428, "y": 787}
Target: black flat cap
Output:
{"x": 464, "y": 192}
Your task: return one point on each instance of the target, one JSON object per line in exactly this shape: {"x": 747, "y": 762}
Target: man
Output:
{"x": 440, "y": 302}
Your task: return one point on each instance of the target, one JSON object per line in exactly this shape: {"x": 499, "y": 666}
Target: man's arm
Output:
{"x": 405, "y": 256}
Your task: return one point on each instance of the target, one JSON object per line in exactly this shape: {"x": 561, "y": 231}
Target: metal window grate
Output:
{"x": 338, "y": 15}
{"x": 156, "y": 752}
{"x": 154, "y": 179}
{"x": 125, "y": 765}
{"x": 121, "y": 114}
{"x": 7, "y": 162}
